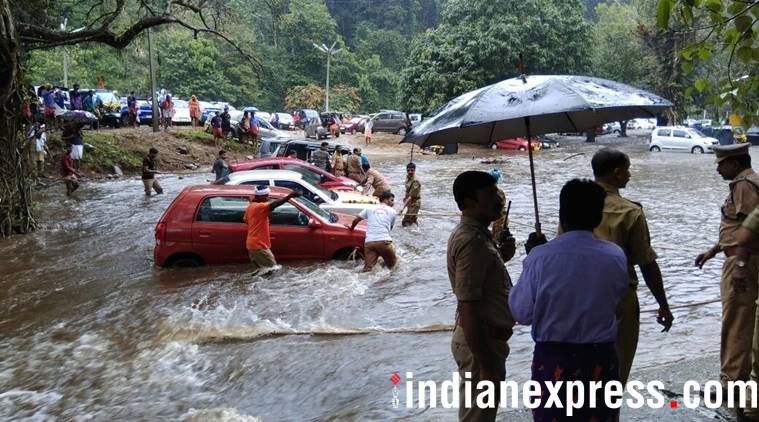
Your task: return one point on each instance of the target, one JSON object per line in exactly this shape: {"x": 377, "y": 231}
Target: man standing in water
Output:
{"x": 738, "y": 307}
{"x": 412, "y": 201}
{"x": 481, "y": 284}
{"x": 258, "y": 241}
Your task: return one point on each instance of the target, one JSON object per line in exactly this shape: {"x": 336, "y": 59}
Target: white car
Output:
{"x": 181, "y": 112}
{"x": 679, "y": 138}
{"x": 285, "y": 121}
{"x": 345, "y": 202}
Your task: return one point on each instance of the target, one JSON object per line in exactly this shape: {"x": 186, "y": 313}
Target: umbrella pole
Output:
{"x": 412, "y": 153}
{"x": 532, "y": 177}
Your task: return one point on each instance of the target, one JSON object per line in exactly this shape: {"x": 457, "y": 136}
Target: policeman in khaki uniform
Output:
{"x": 481, "y": 284}
{"x": 413, "y": 198}
{"x": 738, "y": 307}
{"x": 353, "y": 164}
{"x": 624, "y": 223}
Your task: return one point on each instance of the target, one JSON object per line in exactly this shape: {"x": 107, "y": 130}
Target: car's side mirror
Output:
{"x": 313, "y": 224}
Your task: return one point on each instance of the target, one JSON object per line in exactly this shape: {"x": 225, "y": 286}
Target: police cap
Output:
{"x": 722, "y": 152}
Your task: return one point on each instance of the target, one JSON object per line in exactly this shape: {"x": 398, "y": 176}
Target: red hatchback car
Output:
{"x": 516, "y": 143}
{"x": 204, "y": 226}
{"x": 313, "y": 174}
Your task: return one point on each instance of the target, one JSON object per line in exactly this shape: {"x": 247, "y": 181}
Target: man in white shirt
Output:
{"x": 40, "y": 148}
{"x": 380, "y": 222}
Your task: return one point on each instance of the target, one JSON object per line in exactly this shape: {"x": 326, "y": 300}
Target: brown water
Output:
{"x": 89, "y": 329}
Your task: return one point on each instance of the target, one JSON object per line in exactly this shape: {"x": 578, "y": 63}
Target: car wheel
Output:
{"x": 402, "y": 131}
{"x": 655, "y": 149}
{"x": 697, "y": 150}
{"x": 186, "y": 261}
{"x": 522, "y": 149}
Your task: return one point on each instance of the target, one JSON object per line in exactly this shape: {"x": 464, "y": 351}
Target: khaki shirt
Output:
{"x": 354, "y": 164}
{"x": 625, "y": 224}
{"x": 413, "y": 189}
{"x": 743, "y": 198}
{"x": 377, "y": 181}
{"x": 477, "y": 272}
{"x": 337, "y": 163}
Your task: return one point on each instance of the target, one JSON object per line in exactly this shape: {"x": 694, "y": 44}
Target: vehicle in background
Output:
{"x": 304, "y": 147}
{"x": 141, "y": 102}
{"x": 333, "y": 201}
{"x": 265, "y": 129}
{"x": 181, "y": 112}
{"x": 284, "y": 121}
{"x": 311, "y": 173}
{"x": 208, "y": 110}
{"x": 267, "y": 147}
{"x": 681, "y": 138}
{"x": 547, "y": 142}
{"x": 319, "y": 127}
{"x": 306, "y": 115}
{"x": 752, "y": 135}
{"x": 107, "y": 108}
{"x": 352, "y": 125}
{"x": 390, "y": 121}
{"x": 204, "y": 226}
{"x": 519, "y": 144}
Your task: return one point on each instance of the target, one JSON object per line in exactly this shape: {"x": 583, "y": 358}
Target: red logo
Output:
{"x": 395, "y": 378}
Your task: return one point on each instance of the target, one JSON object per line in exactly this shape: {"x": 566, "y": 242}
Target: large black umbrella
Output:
{"x": 534, "y": 105}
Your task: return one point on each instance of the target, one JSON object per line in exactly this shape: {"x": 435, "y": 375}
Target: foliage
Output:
{"x": 341, "y": 98}
{"x": 719, "y": 27}
{"x": 478, "y": 42}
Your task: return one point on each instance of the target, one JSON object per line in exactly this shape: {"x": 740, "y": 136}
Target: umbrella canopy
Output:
{"x": 535, "y": 105}
{"x": 78, "y": 116}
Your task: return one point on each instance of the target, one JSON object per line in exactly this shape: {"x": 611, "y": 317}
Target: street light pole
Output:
{"x": 153, "y": 83}
{"x": 329, "y": 52}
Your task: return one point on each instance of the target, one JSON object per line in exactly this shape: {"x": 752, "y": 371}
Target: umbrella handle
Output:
{"x": 532, "y": 178}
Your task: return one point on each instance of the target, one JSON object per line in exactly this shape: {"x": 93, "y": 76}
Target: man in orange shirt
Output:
{"x": 256, "y": 217}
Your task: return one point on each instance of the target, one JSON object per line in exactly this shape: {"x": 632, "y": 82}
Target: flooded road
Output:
{"x": 89, "y": 329}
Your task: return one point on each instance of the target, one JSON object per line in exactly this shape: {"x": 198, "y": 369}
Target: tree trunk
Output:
{"x": 15, "y": 165}
{"x": 623, "y": 128}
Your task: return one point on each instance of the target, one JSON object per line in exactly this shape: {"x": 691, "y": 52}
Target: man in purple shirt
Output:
{"x": 568, "y": 291}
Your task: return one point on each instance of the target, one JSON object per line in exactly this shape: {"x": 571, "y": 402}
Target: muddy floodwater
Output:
{"x": 91, "y": 330}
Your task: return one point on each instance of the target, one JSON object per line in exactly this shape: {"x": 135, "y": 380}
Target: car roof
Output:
{"x": 266, "y": 174}
{"x": 233, "y": 189}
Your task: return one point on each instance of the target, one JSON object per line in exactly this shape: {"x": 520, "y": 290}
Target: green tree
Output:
{"x": 478, "y": 42}
{"x": 719, "y": 26}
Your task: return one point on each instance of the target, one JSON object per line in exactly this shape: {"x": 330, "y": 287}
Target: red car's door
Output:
{"x": 291, "y": 238}
{"x": 218, "y": 231}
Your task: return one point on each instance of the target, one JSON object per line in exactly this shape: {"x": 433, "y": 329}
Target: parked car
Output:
{"x": 319, "y": 128}
{"x": 352, "y": 125}
{"x": 285, "y": 121}
{"x": 519, "y": 144}
{"x": 306, "y": 115}
{"x": 752, "y": 135}
{"x": 304, "y": 148}
{"x": 313, "y": 174}
{"x": 181, "y": 112}
{"x": 268, "y": 147}
{"x": 265, "y": 129}
{"x": 204, "y": 226}
{"x": 390, "y": 121}
{"x": 680, "y": 138}
{"x": 333, "y": 201}
{"x": 547, "y": 143}
{"x": 208, "y": 110}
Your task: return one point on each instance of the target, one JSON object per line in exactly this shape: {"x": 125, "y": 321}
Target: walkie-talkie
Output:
{"x": 505, "y": 232}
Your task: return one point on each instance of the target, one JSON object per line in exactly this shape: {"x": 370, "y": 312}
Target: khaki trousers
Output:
{"x": 738, "y": 316}
{"x": 374, "y": 250}
{"x": 411, "y": 213}
{"x": 467, "y": 363}
{"x": 628, "y": 329}
{"x": 152, "y": 184}
{"x": 261, "y": 258}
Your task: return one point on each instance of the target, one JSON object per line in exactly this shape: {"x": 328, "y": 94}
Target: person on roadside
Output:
{"x": 220, "y": 167}
{"x": 353, "y": 164}
{"x": 258, "y": 240}
{"x": 40, "y": 148}
{"x": 320, "y": 158}
{"x": 480, "y": 281}
{"x": 48, "y": 100}
{"x": 75, "y": 98}
{"x": 254, "y": 131}
{"x": 624, "y": 223}
{"x": 378, "y": 242}
{"x": 244, "y": 128}
{"x": 338, "y": 164}
{"x": 375, "y": 180}
{"x": 412, "y": 201}
{"x": 218, "y": 140}
{"x": 167, "y": 111}
{"x": 72, "y": 135}
{"x": 738, "y": 307}
{"x": 226, "y": 123}
{"x": 195, "y": 110}
{"x": 568, "y": 291}
{"x": 68, "y": 172}
{"x": 149, "y": 172}
{"x": 368, "y": 132}
{"x": 132, "y": 109}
